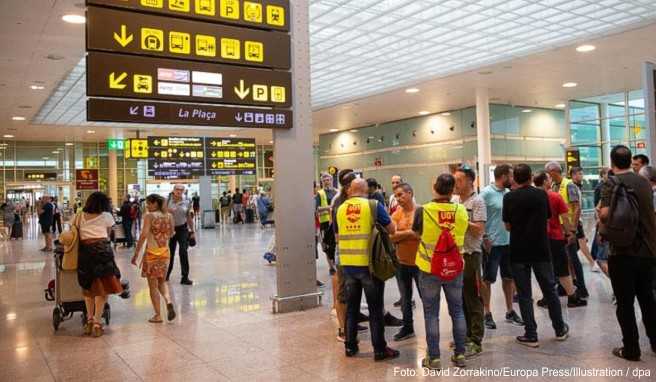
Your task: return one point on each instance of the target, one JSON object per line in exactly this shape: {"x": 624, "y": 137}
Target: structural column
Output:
{"x": 648, "y": 87}
{"x": 483, "y": 138}
{"x": 205, "y": 194}
{"x": 296, "y": 265}
{"x": 113, "y": 179}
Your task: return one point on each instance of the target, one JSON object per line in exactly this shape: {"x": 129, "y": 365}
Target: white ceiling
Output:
{"x": 364, "y": 50}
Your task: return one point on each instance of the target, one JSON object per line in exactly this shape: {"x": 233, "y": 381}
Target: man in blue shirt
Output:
{"x": 496, "y": 247}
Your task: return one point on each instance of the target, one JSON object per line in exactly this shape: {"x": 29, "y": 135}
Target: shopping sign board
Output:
{"x": 265, "y": 14}
{"x": 123, "y": 76}
{"x": 134, "y": 33}
{"x": 176, "y": 157}
{"x": 86, "y": 179}
{"x": 184, "y": 114}
{"x": 230, "y": 156}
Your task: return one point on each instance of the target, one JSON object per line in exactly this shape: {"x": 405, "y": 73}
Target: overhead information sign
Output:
{"x": 267, "y": 14}
{"x": 135, "y": 33}
{"x": 108, "y": 110}
{"x": 133, "y": 148}
{"x": 176, "y": 157}
{"x": 123, "y": 76}
{"x": 86, "y": 179}
{"x": 40, "y": 176}
{"x": 230, "y": 156}
{"x": 115, "y": 144}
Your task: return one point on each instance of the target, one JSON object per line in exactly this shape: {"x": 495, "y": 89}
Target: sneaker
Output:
{"x": 528, "y": 341}
{"x": 582, "y": 293}
{"x": 595, "y": 268}
{"x": 388, "y": 353}
{"x": 574, "y": 301}
{"x": 613, "y": 300}
{"x": 458, "y": 360}
{"x": 489, "y": 321}
{"x": 542, "y": 303}
{"x": 431, "y": 363}
{"x": 362, "y": 318}
{"x": 514, "y": 318}
{"x": 341, "y": 336}
{"x": 564, "y": 334}
{"x": 391, "y": 320}
{"x": 404, "y": 334}
{"x": 362, "y": 328}
{"x": 320, "y": 284}
{"x": 186, "y": 282}
{"x": 473, "y": 350}
{"x": 619, "y": 352}
{"x": 561, "y": 291}
{"x": 351, "y": 351}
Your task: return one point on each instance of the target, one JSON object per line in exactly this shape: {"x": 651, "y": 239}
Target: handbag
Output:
{"x": 192, "y": 240}
{"x": 71, "y": 241}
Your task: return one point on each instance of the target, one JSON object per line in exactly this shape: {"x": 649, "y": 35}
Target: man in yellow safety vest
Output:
{"x": 322, "y": 202}
{"x": 354, "y": 225}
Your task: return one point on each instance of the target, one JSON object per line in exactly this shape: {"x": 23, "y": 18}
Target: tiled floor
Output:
{"x": 226, "y": 331}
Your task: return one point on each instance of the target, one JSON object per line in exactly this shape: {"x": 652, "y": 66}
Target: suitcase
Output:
{"x": 250, "y": 216}
{"x": 17, "y": 230}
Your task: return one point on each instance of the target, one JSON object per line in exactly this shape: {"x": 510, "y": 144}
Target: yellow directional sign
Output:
{"x": 179, "y": 5}
{"x": 205, "y": 45}
{"x": 205, "y": 7}
{"x": 123, "y": 39}
{"x": 230, "y": 9}
{"x": 230, "y": 48}
{"x": 179, "y": 42}
{"x": 242, "y": 92}
{"x": 252, "y": 12}
{"x": 143, "y": 83}
{"x": 116, "y": 82}
{"x": 152, "y": 39}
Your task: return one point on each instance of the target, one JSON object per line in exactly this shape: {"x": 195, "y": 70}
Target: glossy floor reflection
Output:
{"x": 226, "y": 331}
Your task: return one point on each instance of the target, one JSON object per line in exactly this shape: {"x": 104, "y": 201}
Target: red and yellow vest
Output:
{"x": 354, "y": 224}
{"x": 452, "y": 216}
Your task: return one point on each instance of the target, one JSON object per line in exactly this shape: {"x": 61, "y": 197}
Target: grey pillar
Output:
{"x": 205, "y": 192}
{"x": 648, "y": 87}
{"x": 483, "y": 136}
{"x": 296, "y": 265}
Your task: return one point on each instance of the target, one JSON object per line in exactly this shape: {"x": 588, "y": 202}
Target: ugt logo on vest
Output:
{"x": 446, "y": 218}
{"x": 353, "y": 212}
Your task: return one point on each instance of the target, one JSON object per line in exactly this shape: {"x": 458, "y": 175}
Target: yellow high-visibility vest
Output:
{"x": 451, "y": 216}
{"x": 562, "y": 190}
{"x": 324, "y": 216}
{"x": 354, "y": 224}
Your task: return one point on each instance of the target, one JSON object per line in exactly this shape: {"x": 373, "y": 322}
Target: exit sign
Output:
{"x": 115, "y": 144}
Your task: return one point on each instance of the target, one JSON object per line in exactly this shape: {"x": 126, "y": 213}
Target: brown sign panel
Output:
{"x": 110, "y": 110}
{"x": 125, "y": 76}
{"x": 176, "y": 157}
{"x": 86, "y": 179}
{"x": 230, "y": 156}
{"x": 136, "y": 33}
{"x": 265, "y": 14}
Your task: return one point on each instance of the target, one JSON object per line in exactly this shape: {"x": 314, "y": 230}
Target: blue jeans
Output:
{"x": 545, "y": 275}
{"x": 405, "y": 274}
{"x": 430, "y": 287}
{"x": 127, "y": 227}
{"x": 374, "y": 289}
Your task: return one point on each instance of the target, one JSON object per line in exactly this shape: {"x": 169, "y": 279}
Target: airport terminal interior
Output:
{"x": 227, "y": 112}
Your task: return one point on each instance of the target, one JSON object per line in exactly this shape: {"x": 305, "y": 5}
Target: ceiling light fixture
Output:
{"x": 570, "y": 85}
{"x": 74, "y": 19}
{"x": 446, "y": 114}
{"x": 18, "y": 118}
{"x": 55, "y": 152}
{"x": 233, "y": 135}
{"x": 527, "y": 111}
{"x": 45, "y": 158}
{"x": 424, "y": 112}
{"x": 560, "y": 106}
{"x": 70, "y": 144}
{"x": 412, "y": 90}
{"x": 270, "y": 142}
{"x": 585, "y": 48}
{"x": 353, "y": 131}
{"x": 333, "y": 130}
{"x": 91, "y": 131}
{"x": 8, "y": 136}
{"x": 37, "y": 87}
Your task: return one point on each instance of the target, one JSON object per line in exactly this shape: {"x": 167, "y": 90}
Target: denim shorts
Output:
{"x": 498, "y": 258}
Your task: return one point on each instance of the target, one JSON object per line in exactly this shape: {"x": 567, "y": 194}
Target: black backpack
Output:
{"x": 622, "y": 225}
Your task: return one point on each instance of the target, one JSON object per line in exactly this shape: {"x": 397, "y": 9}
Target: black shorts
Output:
{"x": 559, "y": 257}
{"x": 580, "y": 233}
{"x": 46, "y": 228}
{"x": 498, "y": 258}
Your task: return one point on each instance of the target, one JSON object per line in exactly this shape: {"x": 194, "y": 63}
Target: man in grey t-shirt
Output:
{"x": 183, "y": 219}
{"x": 474, "y": 313}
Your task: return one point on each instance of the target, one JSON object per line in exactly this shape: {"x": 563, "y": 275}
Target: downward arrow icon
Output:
{"x": 241, "y": 91}
{"x": 238, "y": 117}
{"x": 123, "y": 39}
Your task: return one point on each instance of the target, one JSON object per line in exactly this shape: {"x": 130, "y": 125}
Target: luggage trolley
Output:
{"x": 65, "y": 291}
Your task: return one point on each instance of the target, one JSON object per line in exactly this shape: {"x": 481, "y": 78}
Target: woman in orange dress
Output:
{"x": 157, "y": 230}
{"x": 97, "y": 272}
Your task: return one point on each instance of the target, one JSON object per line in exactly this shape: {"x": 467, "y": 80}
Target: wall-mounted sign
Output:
{"x": 134, "y": 148}
{"x": 572, "y": 158}
{"x": 107, "y": 110}
{"x": 86, "y": 179}
{"x": 136, "y": 33}
{"x": 112, "y": 75}
{"x": 230, "y": 156}
{"x": 115, "y": 144}
{"x": 176, "y": 157}
{"x": 267, "y": 14}
{"x": 35, "y": 176}
{"x": 91, "y": 162}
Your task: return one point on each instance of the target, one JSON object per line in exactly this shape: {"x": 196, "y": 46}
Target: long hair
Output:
{"x": 158, "y": 200}
{"x": 97, "y": 203}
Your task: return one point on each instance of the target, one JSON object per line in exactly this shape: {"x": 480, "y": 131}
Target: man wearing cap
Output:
{"x": 183, "y": 218}
{"x": 322, "y": 207}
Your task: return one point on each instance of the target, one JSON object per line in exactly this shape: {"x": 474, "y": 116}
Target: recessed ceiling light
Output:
{"x": 45, "y": 158}
{"x": 560, "y": 106}
{"x": 18, "y": 118}
{"x": 333, "y": 130}
{"x": 353, "y": 131}
{"x": 586, "y": 48}
{"x": 70, "y": 144}
{"x": 570, "y": 85}
{"x": 527, "y": 111}
{"x": 233, "y": 135}
{"x": 485, "y": 72}
{"x": 37, "y": 87}
{"x": 55, "y": 152}
{"x": 412, "y": 90}
{"x": 270, "y": 142}
{"x": 424, "y": 112}
{"x": 91, "y": 131}
{"x": 8, "y": 136}
{"x": 74, "y": 19}
{"x": 446, "y": 114}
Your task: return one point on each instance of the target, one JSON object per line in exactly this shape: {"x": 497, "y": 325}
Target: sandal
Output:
{"x": 88, "y": 327}
{"x": 155, "y": 320}
{"x": 619, "y": 352}
{"x": 171, "y": 312}
{"x": 97, "y": 330}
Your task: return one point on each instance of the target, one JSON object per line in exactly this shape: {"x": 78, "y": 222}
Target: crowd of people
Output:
{"x": 524, "y": 223}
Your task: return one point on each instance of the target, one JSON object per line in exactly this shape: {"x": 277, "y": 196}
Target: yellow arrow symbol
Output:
{"x": 123, "y": 39}
{"x": 115, "y": 83}
{"x": 241, "y": 91}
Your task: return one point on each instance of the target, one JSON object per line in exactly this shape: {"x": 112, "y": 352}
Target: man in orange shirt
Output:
{"x": 406, "y": 250}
